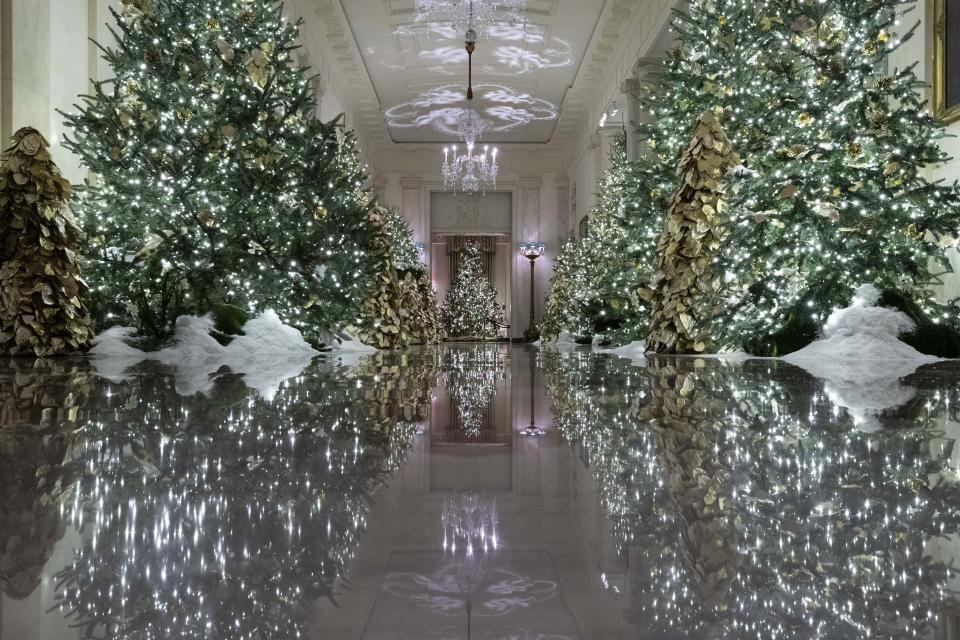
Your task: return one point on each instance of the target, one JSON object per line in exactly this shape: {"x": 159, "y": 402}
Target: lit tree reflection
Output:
{"x": 225, "y": 517}
{"x": 752, "y": 507}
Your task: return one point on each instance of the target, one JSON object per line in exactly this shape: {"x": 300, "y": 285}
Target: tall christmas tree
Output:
{"x": 470, "y": 308}
{"x": 42, "y": 294}
{"x": 213, "y": 183}
{"x": 834, "y": 141}
{"x": 591, "y": 293}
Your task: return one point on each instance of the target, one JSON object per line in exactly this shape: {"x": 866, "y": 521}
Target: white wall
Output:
{"x": 47, "y": 63}
{"x": 920, "y": 48}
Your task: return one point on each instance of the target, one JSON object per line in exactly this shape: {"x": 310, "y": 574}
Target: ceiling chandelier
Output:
{"x": 473, "y": 15}
{"x": 471, "y": 171}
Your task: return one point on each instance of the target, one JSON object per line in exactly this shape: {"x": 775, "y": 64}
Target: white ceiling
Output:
{"x": 521, "y": 73}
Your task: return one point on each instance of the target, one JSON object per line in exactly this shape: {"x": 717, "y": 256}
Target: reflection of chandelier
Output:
{"x": 479, "y": 15}
{"x": 469, "y": 521}
{"x": 472, "y": 172}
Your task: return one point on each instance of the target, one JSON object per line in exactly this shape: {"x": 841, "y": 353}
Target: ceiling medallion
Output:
{"x": 473, "y": 15}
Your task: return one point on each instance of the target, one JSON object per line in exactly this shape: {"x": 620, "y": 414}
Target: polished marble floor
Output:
{"x": 491, "y": 492}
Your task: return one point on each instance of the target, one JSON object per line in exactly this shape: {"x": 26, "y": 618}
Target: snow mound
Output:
{"x": 862, "y": 359}
{"x": 267, "y": 353}
{"x": 635, "y": 352}
{"x": 856, "y": 338}
{"x": 563, "y": 342}
{"x": 350, "y": 344}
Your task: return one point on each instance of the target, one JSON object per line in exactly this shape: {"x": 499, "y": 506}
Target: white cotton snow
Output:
{"x": 635, "y": 352}
{"x": 267, "y": 353}
{"x": 862, "y": 359}
{"x": 563, "y": 342}
{"x": 350, "y": 344}
{"x": 859, "y": 336}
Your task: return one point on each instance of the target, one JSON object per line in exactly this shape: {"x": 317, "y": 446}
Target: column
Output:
{"x": 630, "y": 88}
{"x": 46, "y": 61}
{"x": 564, "y": 219}
{"x": 412, "y": 205}
{"x": 379, "y": 186}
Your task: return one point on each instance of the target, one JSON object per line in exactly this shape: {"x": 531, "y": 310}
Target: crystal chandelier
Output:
{"x": 470, "y": 172}
{"x": 478, "y": 16}
{"x": 470, "y": 125}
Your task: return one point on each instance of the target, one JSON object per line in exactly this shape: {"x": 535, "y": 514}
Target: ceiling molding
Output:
{"x": 329, "y": 23}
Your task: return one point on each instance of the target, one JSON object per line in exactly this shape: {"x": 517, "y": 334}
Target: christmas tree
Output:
{"x": 834, "y": 144}
{"x": 213, "y": 183}
{"x": 401, "y": 308}
{"x": 330, "y": 238}
{"x": 591, "y": 293}
{"x": 470, "y": 308}
{"x": 418, "y": 303}
{"x": 42, "y": 295}
{"x": 403, "y": 250}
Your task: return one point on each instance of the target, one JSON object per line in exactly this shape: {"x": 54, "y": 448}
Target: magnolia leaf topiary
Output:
{"x": 42, "y": 294}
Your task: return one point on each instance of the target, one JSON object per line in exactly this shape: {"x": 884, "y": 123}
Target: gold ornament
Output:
{"x": 804, "y": 119}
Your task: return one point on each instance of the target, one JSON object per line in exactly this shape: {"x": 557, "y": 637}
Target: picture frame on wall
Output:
{"x": 946, "y": 54}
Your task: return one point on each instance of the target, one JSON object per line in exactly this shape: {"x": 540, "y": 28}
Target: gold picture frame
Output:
{"x": 946, "y": 59}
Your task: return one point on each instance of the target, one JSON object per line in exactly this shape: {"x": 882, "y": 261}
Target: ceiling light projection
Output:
{"x": 480, "y": 16}
{"x": 524, "y": 49}
{"x": 504, "y": 109}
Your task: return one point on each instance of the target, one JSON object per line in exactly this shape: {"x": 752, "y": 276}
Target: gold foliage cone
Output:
{"x": 42, "y": 295}
{"x": 42, "y": 403}
{"x": 683, "y": 275}
{"x": 698, "y": 481}
{"x": 399, "y": 312}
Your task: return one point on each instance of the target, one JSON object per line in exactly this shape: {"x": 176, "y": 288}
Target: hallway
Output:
{"x": 477, "y": 491}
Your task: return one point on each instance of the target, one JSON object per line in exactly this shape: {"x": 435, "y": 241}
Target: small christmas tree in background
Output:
{"x": 42, "y": 295}
{"x": 470, "y": 309}
{"x": 834, "y": 142}
{"x": 403, "y": 249}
